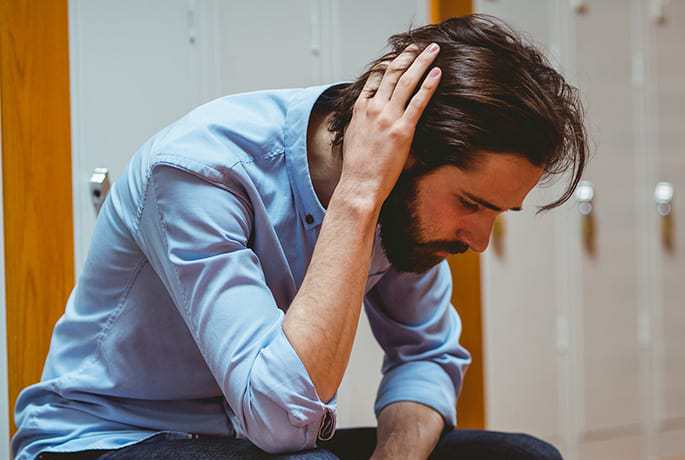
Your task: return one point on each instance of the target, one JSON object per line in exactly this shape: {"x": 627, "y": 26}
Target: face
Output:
{"x": 447, "y": 210}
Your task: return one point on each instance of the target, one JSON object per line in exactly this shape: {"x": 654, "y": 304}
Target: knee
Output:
{"x": 531, "y": 448}
{"x": 494, "y": 445}
{"x": 316, "y": 454}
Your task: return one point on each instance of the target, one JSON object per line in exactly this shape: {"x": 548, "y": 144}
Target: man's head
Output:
{"x": 500, "y": 120}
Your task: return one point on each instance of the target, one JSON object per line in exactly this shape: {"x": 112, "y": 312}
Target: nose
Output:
{"x": 478, "y": 235}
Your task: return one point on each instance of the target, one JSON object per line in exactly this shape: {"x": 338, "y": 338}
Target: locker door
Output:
{"x": 131, "y": 74}
{"x": 263, "y": 44}
{"x": 364, "y": 28}
{"x": 520, "y": 293}
{"x": 608, "y": 353}
{"x": 666, "y": 136}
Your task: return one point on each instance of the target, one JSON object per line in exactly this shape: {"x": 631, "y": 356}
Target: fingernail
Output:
{"x": 433, "y": 48}
{"x": 435, "y": 71}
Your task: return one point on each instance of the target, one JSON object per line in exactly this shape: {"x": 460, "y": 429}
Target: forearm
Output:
{"x": 407, "y": 430}
{"x": 321, "y": 322}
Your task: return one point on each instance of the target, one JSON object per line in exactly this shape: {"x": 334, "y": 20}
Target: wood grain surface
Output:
{"x": 36, "y": 155}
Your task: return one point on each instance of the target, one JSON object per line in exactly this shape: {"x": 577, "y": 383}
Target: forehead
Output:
{"x": 502, "y": 179}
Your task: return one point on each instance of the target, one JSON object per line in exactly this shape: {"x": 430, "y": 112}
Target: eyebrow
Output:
{"x": 487, "y": 204}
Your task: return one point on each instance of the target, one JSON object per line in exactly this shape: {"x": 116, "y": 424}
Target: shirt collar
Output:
{"x": 309, "y": 208}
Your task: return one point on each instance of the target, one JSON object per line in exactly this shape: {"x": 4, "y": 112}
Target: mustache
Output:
{"x": 453, "y": 247}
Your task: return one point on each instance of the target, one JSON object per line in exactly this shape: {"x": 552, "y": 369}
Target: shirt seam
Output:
{"x": 165, "y": 242}
{"x": 111, "y": 319}
{"x": 272, "y": 154}
{"x": 148, "y": 176}
{"x": 199, "y": 176}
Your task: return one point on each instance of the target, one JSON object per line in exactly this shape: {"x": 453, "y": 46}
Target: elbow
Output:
{"x": 278, "y": 406}
{"x": 277, "y": 428}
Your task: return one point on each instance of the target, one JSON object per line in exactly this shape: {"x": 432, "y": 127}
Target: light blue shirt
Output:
{"x": 175, "y": 324}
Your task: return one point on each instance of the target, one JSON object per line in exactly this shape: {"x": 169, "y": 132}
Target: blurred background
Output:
{"x": 575, "y": 317}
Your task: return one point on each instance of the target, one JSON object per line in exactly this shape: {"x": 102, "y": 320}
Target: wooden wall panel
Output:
{"x": 443, "y": 9}
{"x": 34, "y": 80}
{"x": 466, "y": 294}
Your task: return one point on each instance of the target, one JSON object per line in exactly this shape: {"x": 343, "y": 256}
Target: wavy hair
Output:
{"x": 498, "y": 93}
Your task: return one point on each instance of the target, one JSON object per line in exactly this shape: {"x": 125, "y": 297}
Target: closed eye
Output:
{"x": 469, "y": 205}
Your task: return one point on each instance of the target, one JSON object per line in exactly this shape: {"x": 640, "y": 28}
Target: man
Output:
{"x": 220, "y": 298}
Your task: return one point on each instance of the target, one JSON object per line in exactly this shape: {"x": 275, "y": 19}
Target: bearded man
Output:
{"x": 219, "y": 302}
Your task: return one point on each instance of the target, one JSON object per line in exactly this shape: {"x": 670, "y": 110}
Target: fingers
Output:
{"x": 420, "y": 100}
{"x": 391, "y": 88}
{"x": 394, "y": 71}
{"x": 407, "y": 83}
{"x": 372, "y": 83}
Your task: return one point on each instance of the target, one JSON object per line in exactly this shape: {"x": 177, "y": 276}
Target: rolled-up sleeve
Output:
{"x": 196, "y": 236}
{"x": 415, "y": 323}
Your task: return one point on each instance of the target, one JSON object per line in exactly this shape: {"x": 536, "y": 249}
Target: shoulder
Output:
{"x": 211, "y": 140}
{"x": 230, "y": 129}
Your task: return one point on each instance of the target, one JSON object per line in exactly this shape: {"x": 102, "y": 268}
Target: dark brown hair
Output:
{"x": 497, "y": 93}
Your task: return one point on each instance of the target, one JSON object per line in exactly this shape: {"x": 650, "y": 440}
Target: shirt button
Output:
{"x": 309, "y": 219}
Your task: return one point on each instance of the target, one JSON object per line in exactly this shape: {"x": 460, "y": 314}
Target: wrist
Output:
{"x": 358, "y": 200}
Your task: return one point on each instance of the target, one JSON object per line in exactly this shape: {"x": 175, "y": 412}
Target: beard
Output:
{"x": 401, "y": 230}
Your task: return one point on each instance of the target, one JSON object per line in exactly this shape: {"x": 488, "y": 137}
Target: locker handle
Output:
{"x": 498, "y": 234}
{"x": 663, "y": 196}
{"x": 99, "y": 187}
{"x": 580, "y": 6}
{"x": 585, "y": 195}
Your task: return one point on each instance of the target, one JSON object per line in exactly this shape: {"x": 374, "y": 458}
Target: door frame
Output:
{"x": 4, "y": 383}
{"x": 36, "y": 182}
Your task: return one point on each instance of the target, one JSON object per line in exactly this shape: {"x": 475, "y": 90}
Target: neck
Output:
{"x": 325, "y": 161}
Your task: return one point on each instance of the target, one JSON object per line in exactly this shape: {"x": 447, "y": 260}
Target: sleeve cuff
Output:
{"x": 423, "y": 382}
{"x": 286, "y": 382}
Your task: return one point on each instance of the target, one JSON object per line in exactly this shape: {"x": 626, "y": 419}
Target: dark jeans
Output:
{"x": 347, "y": 444}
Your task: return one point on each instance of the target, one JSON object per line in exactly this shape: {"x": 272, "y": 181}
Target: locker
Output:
{"x": 132, "y": 72}
{"x": 665, "y": 162}
{"x": 620, "y": 387}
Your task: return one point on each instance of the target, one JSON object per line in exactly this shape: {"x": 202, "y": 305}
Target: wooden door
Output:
{"x": 4, "y": 382}
{"x": 34, "y": 79}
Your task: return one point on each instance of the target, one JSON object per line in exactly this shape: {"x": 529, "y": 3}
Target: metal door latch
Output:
{"x": 585, "y": 195}
{"x": 99, "y": 187}
{"x": 663, "y": 196}
{"x": 498, "y": 234}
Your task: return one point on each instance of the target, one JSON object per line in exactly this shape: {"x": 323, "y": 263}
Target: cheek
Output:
{"x": 439, "y": 214}
{"x": 440, "y": 220}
